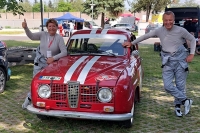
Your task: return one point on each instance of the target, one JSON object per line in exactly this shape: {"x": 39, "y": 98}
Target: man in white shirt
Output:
{"x": 71, "y": 27}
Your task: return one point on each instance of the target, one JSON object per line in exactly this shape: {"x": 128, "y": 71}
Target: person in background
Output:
{"x": 175, "y": 58}
{"x": 51, "y": 48}
{"x": 65, "y": 28}
{"x": 71, "y": 25}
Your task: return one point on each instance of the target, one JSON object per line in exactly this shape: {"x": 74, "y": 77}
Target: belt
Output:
{"x": 36, "y": 64}
{"x": 168, "y": 52}
{"x": 165, "y": 51}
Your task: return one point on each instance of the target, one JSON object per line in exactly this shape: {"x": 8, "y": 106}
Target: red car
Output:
{"x": 98, "y": 79}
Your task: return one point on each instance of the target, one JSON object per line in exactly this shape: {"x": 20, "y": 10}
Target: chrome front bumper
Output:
{"x": 80, "y": 115}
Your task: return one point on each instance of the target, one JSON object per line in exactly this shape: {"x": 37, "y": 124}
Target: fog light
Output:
{"x": 108, "y": 109}
{"x": 40, "y": 104}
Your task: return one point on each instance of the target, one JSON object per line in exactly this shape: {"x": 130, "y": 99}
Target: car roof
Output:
{"x": 123, "y": 23}
{"x": 102, "y": 31}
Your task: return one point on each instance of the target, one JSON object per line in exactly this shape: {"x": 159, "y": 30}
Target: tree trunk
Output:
{"x": 148, "y": 12}
{"x": 102, "y": 20}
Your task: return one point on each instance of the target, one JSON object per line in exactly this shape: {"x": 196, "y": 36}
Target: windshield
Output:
{"x": 110, "y": 45}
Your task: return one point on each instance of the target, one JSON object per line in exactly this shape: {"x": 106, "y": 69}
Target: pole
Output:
{"x": 92, "y": 11}
{"x": 41, "y": 10}
{"x": 92, "y": 7}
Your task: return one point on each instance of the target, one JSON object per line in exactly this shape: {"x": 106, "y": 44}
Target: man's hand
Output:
{"x": 24, "y": 24}
{"x": 127, "y": 44}
{"x": 190, "y": 58}
{"x": 50, "y": 60}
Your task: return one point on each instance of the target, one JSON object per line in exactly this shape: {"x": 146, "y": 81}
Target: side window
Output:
{"x": 75, "y": 44}
{"x": 87, "y": 24}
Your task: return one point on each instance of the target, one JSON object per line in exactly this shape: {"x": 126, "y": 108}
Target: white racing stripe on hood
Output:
{"x": 86, "y": 69}
{"x": 72, "y": 69}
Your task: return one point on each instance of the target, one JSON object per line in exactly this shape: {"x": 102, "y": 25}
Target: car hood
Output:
{"x": 86, "y": 69}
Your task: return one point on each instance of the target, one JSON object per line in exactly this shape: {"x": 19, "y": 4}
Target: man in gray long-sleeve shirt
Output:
{"x": 175, "y": 58}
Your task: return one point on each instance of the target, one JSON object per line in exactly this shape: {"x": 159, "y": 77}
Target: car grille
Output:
{"x": 72, "y": 93}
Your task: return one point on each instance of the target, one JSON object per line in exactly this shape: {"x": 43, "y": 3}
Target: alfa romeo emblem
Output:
{"x": 72, "y": 91}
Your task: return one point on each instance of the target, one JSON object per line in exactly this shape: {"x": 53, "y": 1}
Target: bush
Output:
{"x": 7, "y": 27}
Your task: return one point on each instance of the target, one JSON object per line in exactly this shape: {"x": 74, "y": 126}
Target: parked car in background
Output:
{"x": 5, "y": 71}
{"x": 152, "y": 27}
{"x": 99, "y": 79}
{"x": 125, "y": 26}
{"x": 1, "y": 27}
{"x": 90, "y": 25}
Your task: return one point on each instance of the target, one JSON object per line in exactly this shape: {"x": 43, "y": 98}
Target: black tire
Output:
{"x": 44, "y": 117}
{"x": 129, "y": 123}
{"x": 2, "y": 80}
{"x": 197, "y": 51}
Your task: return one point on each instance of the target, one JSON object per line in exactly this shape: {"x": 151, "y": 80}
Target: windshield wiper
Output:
{"x": 102, "y": 51}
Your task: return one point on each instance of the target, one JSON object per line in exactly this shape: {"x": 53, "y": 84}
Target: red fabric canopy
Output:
{"x": 128, "y": 15}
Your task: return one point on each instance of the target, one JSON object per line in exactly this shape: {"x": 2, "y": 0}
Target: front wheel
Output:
{"x": 2, "y": 80}
{"x": 44, "y": 117}
{"x": 129, "y": 123}
{"x": 197, "y": 51}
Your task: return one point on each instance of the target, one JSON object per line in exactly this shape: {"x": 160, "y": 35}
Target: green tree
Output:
{"x": 12, "y": 6}
{"x": 26, "y": 5}
{"x": 113, "y": 7}
{"x": 77, "y": 6}
{"x": 50, "y": 7}
{"x": 150, "y": 6}
{"x": 36, "y": 7}
{"x": 64, "y": 6}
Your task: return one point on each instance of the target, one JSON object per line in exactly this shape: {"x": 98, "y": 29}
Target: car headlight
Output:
{"x": 44, "y": 91}
{"x": 104, "y": 95}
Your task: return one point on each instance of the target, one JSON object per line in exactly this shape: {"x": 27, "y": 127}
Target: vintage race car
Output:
{"x": 99, "y": 79}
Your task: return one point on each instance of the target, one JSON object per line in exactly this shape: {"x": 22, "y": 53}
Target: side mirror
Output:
{"x": 135, "y": 53}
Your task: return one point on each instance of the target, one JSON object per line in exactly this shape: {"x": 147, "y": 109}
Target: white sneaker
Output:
{"x": 178, "y": 112}
{"x": 26, "y": 103}
{"x": 187, "y": 105}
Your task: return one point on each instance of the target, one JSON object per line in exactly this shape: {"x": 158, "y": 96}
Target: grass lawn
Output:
{"x": 12, "y": 43}
{"x": 155, "y": 112}
{"x": 11, "y": 32}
